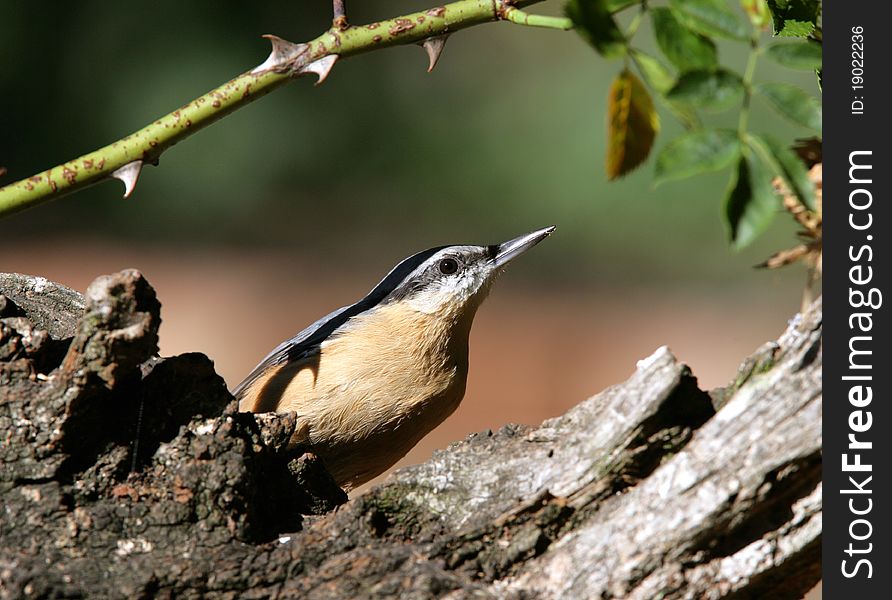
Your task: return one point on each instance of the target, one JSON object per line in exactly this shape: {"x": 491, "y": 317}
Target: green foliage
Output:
{"x": 750, "y": 202}
{"x": 710, "y": 90}
{"x": 757, "y": 11}
{"x": 794, "y": 18}
{"x": 697, "y": 152}
{"x": 784, "y": 163}
{"x": 793, "y": 103}
{"x": 593, "y": 20}
{"x": 710, "y": 18}
{"x": 804, "y": 55}
{"x": 684, "y": 48}
{"x": 617, "y": 5}
{"x": 655, "y": 73}
{"x": 685, "y": 33}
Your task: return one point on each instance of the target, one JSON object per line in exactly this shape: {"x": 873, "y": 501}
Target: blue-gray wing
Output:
{"x": 306, "y": 343}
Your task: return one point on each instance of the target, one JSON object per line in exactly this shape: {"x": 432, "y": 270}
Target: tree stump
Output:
{"x": 125, "y": 475}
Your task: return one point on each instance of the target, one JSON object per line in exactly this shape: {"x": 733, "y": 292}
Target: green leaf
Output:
{"x": 784, "y": 163}
{"x": 710, "y": 90}
{"x": 750, "y": 202}
{"x": 697, "y": 152}
{"x": 660, "y": 79}
{"x": 632, "y": 124}
{"x": 617, "y": 5}
{"x": 594, "y": 23}
{"x": 685, "y": 49}
{"x": 757, "y": 10}
{"x": 794, "y": 18}
{"x": 793, "y": 103}
{"x": 710, "y": 17}
{"x": 798, "y": 29}
{"x": 796, "y": 55}
{"x": 655, "y": 73}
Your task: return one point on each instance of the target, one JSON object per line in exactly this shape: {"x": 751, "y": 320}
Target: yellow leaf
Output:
{"x": 632, "y": 125}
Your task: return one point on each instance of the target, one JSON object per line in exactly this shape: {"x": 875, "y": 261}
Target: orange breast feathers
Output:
{"x": 375, "y": 388}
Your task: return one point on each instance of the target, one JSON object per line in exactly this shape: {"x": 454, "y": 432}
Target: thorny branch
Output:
{"x": 125, "y": 158}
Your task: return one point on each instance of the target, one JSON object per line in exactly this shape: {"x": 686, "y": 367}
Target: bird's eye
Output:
{"x": 448, "y": 266}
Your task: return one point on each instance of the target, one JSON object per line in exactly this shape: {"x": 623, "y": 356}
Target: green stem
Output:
{"x": 515, "y": 15}
{"x": 642, "y": 6}
{"x": 635, "y": 24}
{"x": 748, "y": 86}
{"x": 151, "y": 141}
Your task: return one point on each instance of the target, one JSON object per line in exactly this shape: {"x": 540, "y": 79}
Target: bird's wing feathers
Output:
{"x": 307, "y": 342}
{"x": 301, "y": 345}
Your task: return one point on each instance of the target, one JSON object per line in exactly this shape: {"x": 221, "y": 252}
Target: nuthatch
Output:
{"x": 370, "y": 380}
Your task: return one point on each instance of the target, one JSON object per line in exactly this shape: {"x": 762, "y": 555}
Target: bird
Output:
{"x": 370, "y": 380}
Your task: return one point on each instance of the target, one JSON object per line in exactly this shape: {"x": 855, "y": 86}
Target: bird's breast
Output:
{"x": 376, "y": 388}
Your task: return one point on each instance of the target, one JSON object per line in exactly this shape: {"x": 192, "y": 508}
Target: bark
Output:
{"x": 128, "y": 475}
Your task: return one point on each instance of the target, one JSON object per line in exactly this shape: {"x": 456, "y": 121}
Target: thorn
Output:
{"x": 434, "y": 47}
{"x": 128, "y": 174}
{"x": 283, "y": 53}
{"x": 321, "y": 67}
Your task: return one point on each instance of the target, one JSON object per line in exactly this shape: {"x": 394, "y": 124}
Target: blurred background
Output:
{"x": 302, "y": 201}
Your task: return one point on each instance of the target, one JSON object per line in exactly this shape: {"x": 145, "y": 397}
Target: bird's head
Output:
{"x": 454, "y": 280}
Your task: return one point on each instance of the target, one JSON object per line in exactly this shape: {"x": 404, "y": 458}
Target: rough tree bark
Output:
{"x": 127, "y": 475}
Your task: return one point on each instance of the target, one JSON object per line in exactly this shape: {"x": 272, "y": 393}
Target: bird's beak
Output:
{"x": 508, "y": 250}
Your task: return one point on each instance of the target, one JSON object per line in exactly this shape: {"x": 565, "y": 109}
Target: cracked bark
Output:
{"x": 128, "y": 475}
